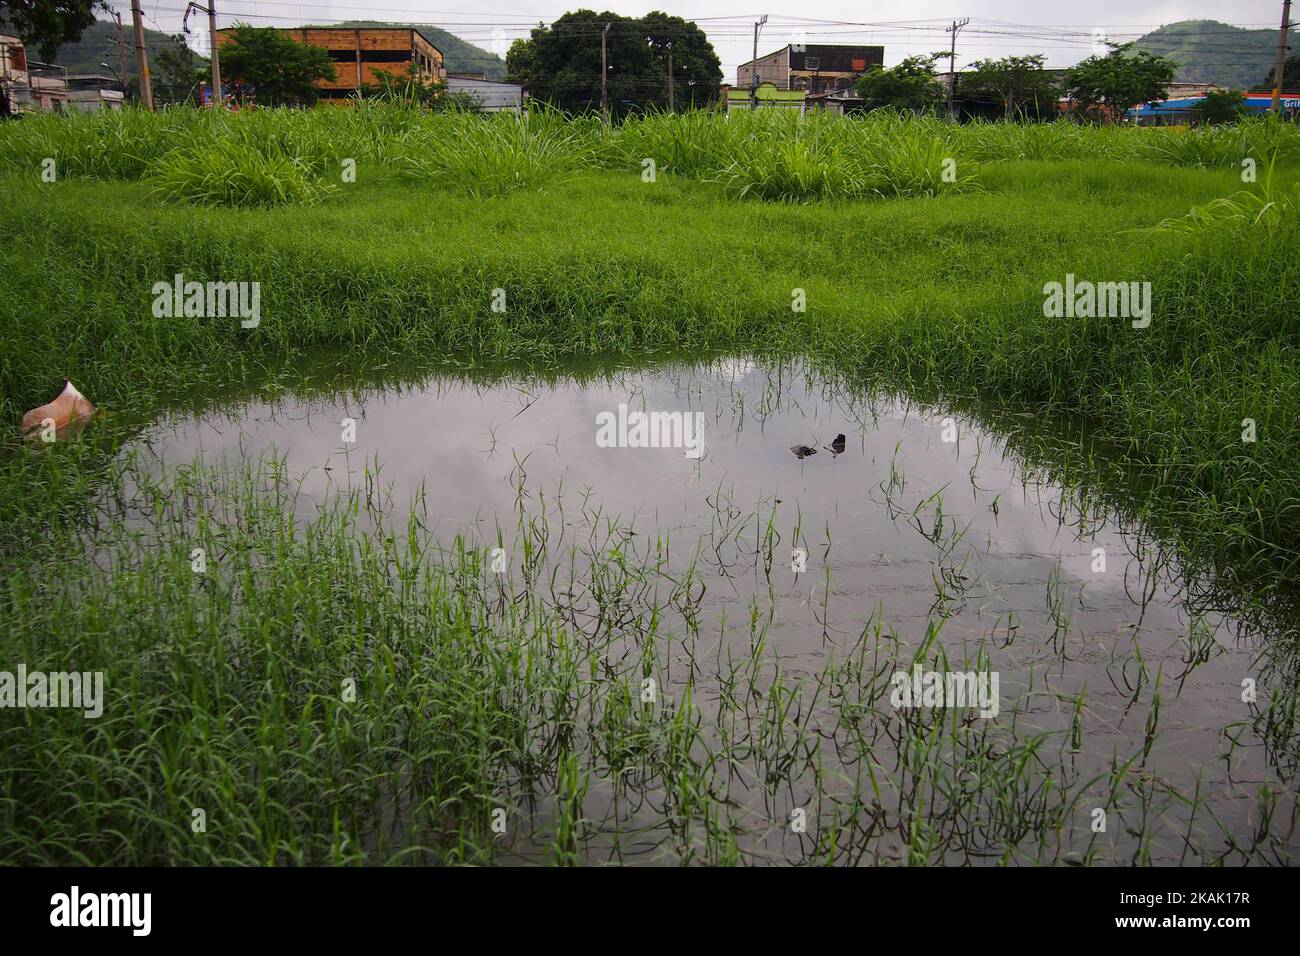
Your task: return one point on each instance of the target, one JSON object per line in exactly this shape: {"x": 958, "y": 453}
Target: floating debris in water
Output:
{"x": 836, "y": 448}
{"x": 803, "y": 451}
{"x": 46, "y": 421}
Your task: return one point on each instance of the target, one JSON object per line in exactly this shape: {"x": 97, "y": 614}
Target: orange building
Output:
{"x": 360, "y": 54}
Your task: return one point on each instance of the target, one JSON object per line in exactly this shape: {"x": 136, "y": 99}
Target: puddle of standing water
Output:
{"x": 922, "y": 527}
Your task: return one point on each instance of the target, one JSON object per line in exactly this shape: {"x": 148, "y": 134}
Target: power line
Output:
{"x": 904, "y": 34}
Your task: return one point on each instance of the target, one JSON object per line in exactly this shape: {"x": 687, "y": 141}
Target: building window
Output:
{"x": 812, "y": 63}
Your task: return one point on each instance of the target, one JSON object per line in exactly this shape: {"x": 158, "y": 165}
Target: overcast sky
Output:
{"x": 1065, "y": 32}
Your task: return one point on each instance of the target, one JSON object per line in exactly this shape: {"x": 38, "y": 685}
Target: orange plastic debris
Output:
{"x": 70, "y": 408}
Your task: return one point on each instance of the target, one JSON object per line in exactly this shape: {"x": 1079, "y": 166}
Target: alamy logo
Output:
{"x": 951, "y": 689}
{"x": 625, "y": 429}
{"x": 208, "y": 300}
{"x": 1108, "y": 300}
{"x": 103, "y": 909}
{"x": 80, "y": 691}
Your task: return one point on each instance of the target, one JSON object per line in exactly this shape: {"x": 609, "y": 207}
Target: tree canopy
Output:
{"x": 912, "y": 85}
{"x": 1290, "y": 74}
{"x": 560, "y": 64}
{"x": 47, "y": 24}
{"x": 1221, "y": 106}
{"x": 273, "y": 67}
{"x": 1118, "y": 81}
{"x": 1019, "y": 83}
{"x": 177, "y": 71}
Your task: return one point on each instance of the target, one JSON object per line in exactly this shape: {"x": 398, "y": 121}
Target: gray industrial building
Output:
{"x": 491, "y": 96}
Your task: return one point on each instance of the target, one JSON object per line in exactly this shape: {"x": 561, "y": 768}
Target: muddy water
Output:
{"x": 923, "y": 524}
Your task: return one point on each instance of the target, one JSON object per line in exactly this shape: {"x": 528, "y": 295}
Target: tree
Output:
{"x": 277, "y": 69}
{"x": 48, "y": 24}
{"x": 1221, "y": 106}
{"x": 912, "y": 85}
{"x": 1290, "y": 74}
{"x": 1115, "y": 83}
{"x": 697, "y": 71}
{"x": 521, "y": 61}
{"x": 1019, "y": 83}
{"x": 560, "y": 64}
{"x": 45, "y": 25}
{"x": 176, "y": 71}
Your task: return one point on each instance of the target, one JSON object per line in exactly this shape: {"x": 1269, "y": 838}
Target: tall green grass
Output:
{"x": 500, "y": 153}
{"x": 230, "y": 172}
{"x": 285, "y": 156}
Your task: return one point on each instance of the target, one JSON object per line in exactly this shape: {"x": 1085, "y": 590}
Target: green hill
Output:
{"x": 1208, "y": 51}
{"x": 458, "y": 56}
{"x": 99, "y": 45}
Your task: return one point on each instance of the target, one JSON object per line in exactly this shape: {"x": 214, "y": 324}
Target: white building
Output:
{"x": 91, "y": 92}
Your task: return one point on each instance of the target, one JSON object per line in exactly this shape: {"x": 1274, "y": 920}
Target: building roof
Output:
{"x": 459, "y": 79}
{"x": 87, "y": 96}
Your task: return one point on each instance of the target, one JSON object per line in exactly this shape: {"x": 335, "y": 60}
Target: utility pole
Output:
{"x": 952, "y": 62}
{"x": 753, "y": 65}
{"x": 121, "y": 55}
{"x": 1280, "y": 68}
{"x": 672, "y": 106}
{"x": 216, "y": 61}
{"x": 211, "y": 11}
{"x": 141, "y": 57}
{"x": 604, "y": 73}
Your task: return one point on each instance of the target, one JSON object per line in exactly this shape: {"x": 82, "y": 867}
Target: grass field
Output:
{"x": 912, "y": 282}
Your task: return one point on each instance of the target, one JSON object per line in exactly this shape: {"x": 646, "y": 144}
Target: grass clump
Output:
{"x": 226, "y": 172}
{"x": 110, "y": 144}
{"x": 499, "y": 153}
{"x": 798, "y": 170}
{"x": 780, "y": 156}
{"x": 1245, "y": 213}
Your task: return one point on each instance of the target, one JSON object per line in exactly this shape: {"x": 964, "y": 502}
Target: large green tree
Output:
{"x": 273, "y": 68}
{"x": 912, "y": 85}
{"x": 45, "y": 25}
{"x": 560, "y": 64}
{"x": 1221, "y": 106}
{"x": 1019, "y": 83}
{"x": 1112, "y": 84}
{"x": 177, "y": 72}
{"x": 1290, "y": 75}
{"x": 697, "y": 71}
